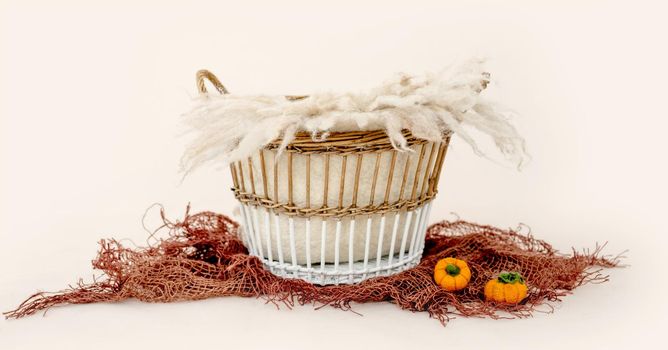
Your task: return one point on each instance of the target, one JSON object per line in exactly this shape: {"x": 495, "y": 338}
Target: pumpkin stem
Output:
{"x": 510, "y": 278}
{"x": 452, "y": 270}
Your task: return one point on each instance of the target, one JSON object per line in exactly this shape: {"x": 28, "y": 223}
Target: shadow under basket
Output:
{"x": 340, "y": 210}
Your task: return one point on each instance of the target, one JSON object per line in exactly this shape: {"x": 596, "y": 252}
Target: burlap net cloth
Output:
{"x": 202, "y": 257}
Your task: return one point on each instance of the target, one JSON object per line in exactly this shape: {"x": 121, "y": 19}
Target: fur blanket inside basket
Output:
{"x": 230, "y": 127}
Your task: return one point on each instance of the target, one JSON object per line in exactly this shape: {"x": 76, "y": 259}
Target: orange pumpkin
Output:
{"x": 452, "y": 274}
{"x": 508, "y": 288}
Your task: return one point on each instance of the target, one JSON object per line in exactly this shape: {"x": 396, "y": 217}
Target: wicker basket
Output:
{"x": 340, "y": 210}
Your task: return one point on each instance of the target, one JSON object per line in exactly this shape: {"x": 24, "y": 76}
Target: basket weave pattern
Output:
{"x": 300, "y": 208}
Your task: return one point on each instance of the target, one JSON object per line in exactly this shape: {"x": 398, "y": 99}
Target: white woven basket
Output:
{"x": 339, "y": 210}
{"x": 338, "y": 215}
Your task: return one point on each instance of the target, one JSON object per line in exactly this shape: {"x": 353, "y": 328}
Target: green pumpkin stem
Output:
{"x": 510, "y": 278}
{"x": 452, "y": 270}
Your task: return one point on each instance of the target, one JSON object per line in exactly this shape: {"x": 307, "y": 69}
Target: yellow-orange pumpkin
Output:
{"x": 452, "y": 274}
{"x": 508, "y": 288}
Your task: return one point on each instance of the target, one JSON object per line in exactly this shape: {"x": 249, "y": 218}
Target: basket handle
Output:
{"x": 202, "y": 76}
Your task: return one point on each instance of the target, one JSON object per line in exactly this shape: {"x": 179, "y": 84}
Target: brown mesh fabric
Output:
{"x": 203, "y": 258}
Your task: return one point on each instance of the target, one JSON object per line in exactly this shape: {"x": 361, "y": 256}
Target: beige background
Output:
{"x": 90, "y": 96}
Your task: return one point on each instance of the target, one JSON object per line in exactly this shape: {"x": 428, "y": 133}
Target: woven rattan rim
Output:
{"x": 349, "y": 142}
{"x": 345, "y": 144}
{"x": 332, "y": 212}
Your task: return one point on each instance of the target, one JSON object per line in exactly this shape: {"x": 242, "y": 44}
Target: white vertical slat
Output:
{"x": 256, "y": 230}
{"x": 416, "y": 229}
{"x": 404, "y": 237}
{"x": 242, "y": 229}
{"x": 424, "y": 228}
{"x": 395, "y": 226}
{"x": 248, "y": 228}
{"x": 337, "y": 244}
{"x": 279, "y": 241}
{"x": 351, "y": 236}
{"x": 323, "y": 246}
{"x": 245, "y": 228}
{"x": 293, "y": 245}
{"x": 367, "y": 243}
{"x": 308, "y": 246}
{"x": 381, "y": 238}
{"x": 267, "y": 234}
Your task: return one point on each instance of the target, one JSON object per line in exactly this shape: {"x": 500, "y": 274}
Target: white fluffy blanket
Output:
{"x": 230, "y": 127}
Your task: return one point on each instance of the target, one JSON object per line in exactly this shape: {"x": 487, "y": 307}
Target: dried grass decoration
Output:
{"x": 204, "y": 257}
{"x": 337, "y": 188}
